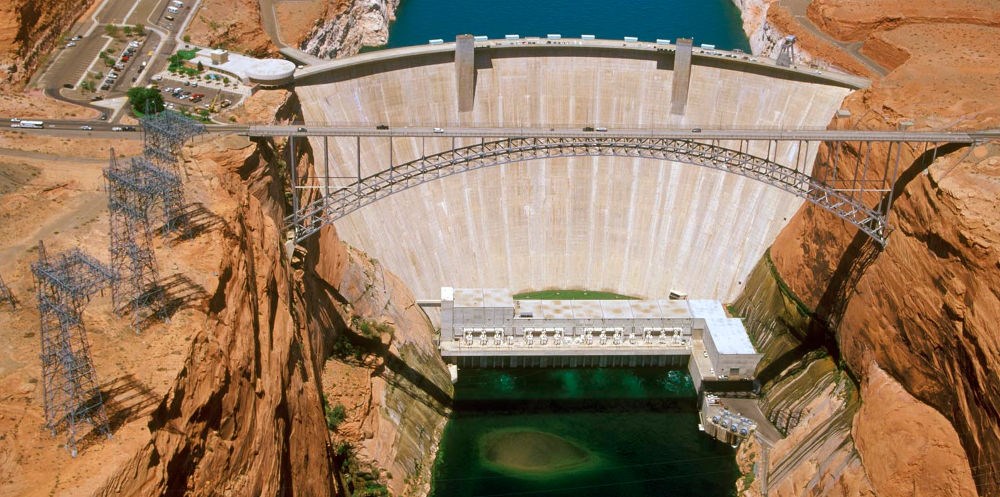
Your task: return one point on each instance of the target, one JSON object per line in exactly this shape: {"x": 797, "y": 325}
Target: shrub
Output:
{"x": 334, "y": 415}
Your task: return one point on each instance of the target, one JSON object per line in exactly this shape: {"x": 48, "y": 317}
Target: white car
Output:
{"x": 117, "y": 128}
{"x": 15, "y": 119}
{"x": 71, "y": 44}
{"x": 86, "y": 128}
{"x": 439, "y": 130}
{"x": 158, "y": 77}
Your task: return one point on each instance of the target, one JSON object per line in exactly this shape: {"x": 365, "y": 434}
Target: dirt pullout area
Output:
{"x": 62, "y": 203}
{"x": 297, "y": 18}
{"x": 854, "y": 20}
{"x": 232, "y": 24}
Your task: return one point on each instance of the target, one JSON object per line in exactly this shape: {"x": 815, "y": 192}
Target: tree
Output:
{"x": 140, "y": 28}
{"x": 127, "y": 30}
{"x": 187, "y": 39}
{"x": 111, "y": 30}
{"x": 145, "y": 100}
{"x": 201, "y": 67}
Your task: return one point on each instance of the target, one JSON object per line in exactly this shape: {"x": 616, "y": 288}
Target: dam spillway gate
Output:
{"x": 749, "y": 153}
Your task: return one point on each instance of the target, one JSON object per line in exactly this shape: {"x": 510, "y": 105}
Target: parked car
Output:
{"x": 71, "y": 44}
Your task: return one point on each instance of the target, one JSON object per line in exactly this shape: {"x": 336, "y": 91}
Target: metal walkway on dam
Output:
{"x": 751, "y": 153}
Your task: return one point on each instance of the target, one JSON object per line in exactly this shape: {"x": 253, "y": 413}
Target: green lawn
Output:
{"x": 571, "y": 295}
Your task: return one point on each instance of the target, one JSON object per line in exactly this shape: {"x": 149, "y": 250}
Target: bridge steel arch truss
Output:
{"x": 844, "y": 197}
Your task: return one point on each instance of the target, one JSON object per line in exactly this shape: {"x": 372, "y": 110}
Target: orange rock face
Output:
{"x": 29, "y": 29}
{"x": 245, "y": 416}
{"x": 924, "y": 309}
{"x": 908, "y": 448}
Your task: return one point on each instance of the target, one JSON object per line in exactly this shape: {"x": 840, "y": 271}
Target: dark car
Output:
{"x": 382, "y": 126}
{"x": 129, "y": 128}
{"x": 68, "y": 85}
{"x": 696, "y": 130}
{"x": 302, "y": 130}
{"x": 588, "y": 128}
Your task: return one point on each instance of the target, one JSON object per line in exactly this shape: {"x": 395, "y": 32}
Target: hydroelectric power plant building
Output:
{"x": 487, "y": 327}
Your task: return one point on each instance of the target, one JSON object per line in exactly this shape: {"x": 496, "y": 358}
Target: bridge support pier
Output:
{"x": 465, "y": 71}
{"x": 682, "y": 76}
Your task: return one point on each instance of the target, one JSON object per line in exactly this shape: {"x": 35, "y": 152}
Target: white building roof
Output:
{"x": 248, "y": 67}
{"x": 705, "y": 309}
{"x": 729, "y": 335}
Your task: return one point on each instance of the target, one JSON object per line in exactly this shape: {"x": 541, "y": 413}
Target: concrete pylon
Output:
{"x": 465, "y": 71}
{"x": 682, "y": 76}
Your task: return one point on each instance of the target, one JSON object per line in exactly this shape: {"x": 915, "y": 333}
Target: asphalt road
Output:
{"x": 72, "y": 128}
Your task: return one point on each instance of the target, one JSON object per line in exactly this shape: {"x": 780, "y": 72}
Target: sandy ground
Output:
{"x": 62, "y": 202}
{"x": 34, "y": 104}
{"x": 294, "y": 18}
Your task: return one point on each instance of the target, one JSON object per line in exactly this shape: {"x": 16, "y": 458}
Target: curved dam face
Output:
{"x": 628, "y": 225}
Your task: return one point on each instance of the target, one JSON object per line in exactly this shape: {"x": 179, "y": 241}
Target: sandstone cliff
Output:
{"x": 29, "y": 30}
{"x": 919, "y": 310}
{"x": 348, "y": 25}
{"x": 246, "y": 414}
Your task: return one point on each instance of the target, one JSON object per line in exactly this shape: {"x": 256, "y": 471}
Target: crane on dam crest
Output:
{"x": 860, "y": 193}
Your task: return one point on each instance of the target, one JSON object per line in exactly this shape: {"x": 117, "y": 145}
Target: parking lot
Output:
{"x": 194, "y": 97}
{"x": 79, "y": 61}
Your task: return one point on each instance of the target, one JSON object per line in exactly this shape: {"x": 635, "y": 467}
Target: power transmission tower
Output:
{"x": 63, "y": 286}
{"x": 6, "y": 295}
{"x": 135, "y": 188}
{"x": 163, "y": 135}
{"x": 786, "y": 57}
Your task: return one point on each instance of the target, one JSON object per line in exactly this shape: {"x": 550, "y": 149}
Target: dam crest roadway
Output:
{"x": 727, "y": 150}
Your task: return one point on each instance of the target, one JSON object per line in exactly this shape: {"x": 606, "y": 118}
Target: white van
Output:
{"x": 172, "y": 10}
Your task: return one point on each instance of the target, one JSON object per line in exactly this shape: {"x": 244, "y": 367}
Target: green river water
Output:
{"x": 581, "y": 433}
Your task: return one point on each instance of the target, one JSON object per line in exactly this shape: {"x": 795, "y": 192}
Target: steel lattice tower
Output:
{"x": 786, "y": 57}
{"x": 135, "y": 188}
{"x": 163, "y": 135}
{"x": 6, "y": 295}
{"x": 63, "y": 285}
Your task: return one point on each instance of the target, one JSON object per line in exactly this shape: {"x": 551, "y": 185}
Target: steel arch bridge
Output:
{"x": 309, "y": 218}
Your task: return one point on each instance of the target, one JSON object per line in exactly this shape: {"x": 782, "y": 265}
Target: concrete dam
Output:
{"x": 628, "y": 225}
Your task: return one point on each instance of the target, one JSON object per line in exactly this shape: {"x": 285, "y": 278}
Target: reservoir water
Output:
{"x": 579, "y": 433}
{"x": 709, "y": 21}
